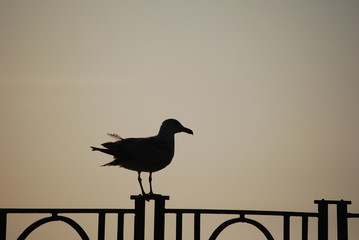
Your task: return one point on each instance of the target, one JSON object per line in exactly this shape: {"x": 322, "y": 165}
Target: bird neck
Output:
{"x": 165, "y": 133}
{"x": 169, "y": 137}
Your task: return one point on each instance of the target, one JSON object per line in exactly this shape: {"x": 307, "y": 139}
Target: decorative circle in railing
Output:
{"x": 229, "y": 222}
{"x": 42, "y": 221}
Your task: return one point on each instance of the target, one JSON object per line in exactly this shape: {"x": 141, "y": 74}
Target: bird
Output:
{"x": 148, "y": 154}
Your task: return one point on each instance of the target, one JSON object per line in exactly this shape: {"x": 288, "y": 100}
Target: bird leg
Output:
{"x": 150, "y": 181}
{"x": 140, "y": 182}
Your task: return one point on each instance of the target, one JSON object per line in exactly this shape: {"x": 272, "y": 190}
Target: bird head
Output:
{"x": 172, "y": 126}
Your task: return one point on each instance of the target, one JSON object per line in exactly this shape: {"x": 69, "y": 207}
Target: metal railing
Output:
{"x": 242, "y": 217}
{"x": 55, "y": 217}
{"x": 160, "y": 213}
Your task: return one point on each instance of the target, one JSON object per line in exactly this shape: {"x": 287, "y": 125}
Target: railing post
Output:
{"x": 286, "y": 227}
{"x": 322, "y": 219}
{"x": 2, "y": 226}
{"x": 159, "y": 219}
{"x": 305, "y": 228}
{"x": 342, "y": 220}
{"x": 120, "y": 223}
{"x": 179, "y": 224}
{"x": 139, "y": 217}
{"x": 197, "y": 226}
{"x": 101, "y": 226}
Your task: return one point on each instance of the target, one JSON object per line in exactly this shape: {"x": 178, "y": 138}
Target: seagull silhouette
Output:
{"x": 149, "y": 154}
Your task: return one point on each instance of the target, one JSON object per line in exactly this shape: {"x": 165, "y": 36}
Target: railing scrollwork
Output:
{"x": 54, "y": 218}
{"x": 229, "y": 222}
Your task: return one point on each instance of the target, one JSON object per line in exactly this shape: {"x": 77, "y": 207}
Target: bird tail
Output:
{"x": 107, "y": 151}
{"x": 115, "y": 162}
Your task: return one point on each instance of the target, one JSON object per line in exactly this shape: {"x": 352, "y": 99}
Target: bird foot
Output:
{"x": 150, "y": 196}
{"x": 146, "y": 196}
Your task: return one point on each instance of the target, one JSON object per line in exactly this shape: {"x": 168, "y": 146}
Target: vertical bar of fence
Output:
{"x": 342, "y": 220}
{"x": 179, "y": 226}
{"x": 159, "y": 221}
{"x": 101, "y": 226}
{"x": 139, "y": 229}
{"x": 3, "y": 226}
{"x": 197, "y": 226}
{"x": 304, "y": 228}
{"x": 286, "y": 227}
{"x": 322, "y": 219}
{"x": 120, "y": 225}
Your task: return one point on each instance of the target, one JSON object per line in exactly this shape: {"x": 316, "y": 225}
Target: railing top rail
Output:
{"x": 353, "y": 215}
{"x": 168, "y": 210}
{"x": 241, "y": 212}
{"x": 65, "y": 210}
{"x": 332, "y": 201}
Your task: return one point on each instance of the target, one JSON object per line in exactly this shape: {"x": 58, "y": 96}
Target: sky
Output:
{"x": 270, "y": 89}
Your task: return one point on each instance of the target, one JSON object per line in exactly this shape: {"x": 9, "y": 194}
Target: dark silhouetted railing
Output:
{"x": 55, "y": 217}
{"x": 160, "y": 212}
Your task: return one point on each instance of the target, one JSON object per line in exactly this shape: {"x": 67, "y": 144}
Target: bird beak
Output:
{"x": 187, "y": 130}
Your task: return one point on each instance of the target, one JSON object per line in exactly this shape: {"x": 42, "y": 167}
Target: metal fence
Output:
{"x": 160, "y": 213}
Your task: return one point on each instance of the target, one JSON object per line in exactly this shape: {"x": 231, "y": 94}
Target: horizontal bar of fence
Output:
{"x": 241, "y": 212}
{"x": 64, "y": 210}
{"x": 332, "y": 201}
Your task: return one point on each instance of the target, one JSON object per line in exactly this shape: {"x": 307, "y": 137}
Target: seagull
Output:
{"x": 149, "y": 154}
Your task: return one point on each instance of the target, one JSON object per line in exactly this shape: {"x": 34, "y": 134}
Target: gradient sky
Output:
{"x": 270, "y": 89}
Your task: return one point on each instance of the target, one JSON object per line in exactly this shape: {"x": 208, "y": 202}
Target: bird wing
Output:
{"x": 140, "y": 149}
